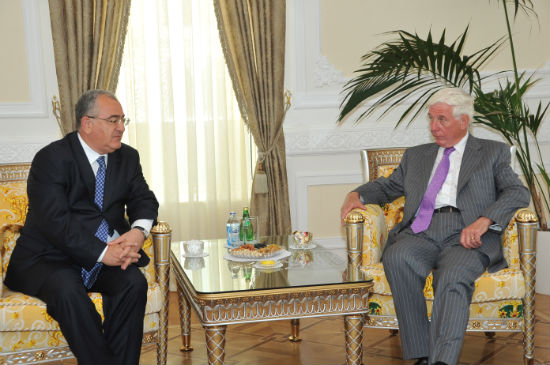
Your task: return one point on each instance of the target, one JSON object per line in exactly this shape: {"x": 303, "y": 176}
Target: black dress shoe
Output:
{"x": 421, "y": 361}
{"x": 440, "y": 363}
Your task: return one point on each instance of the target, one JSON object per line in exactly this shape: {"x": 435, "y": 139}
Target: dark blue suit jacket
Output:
{"x": 62, "y": 217}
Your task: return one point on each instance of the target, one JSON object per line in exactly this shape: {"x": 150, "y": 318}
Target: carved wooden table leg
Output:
{"x": 215, "y": 344}
{"x": 354, "y": 338}
{"x": 294, "y": 330}
{"x": 185, "y": 321}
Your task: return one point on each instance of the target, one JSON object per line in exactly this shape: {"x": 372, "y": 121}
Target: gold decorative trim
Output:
{"x": 185, "y": 321}
{"x": 56, "y": 354}
{"x": 526, "y": 215}
{"x": 355, "y": 217}
{"x": 215, "y": 344}
{"x": 495, "y": 325}
{"x": 150, "y": 337}
{"x": 161, "y": 227}
{"x": 382, "y": 157}
{"x": 474, "y": 324}
{"x": 14, "y": 172}
{"x": 162, "y": 237}
{"x": 294, "y": 330}
{"x": 262, "y": 309}
{"x": 353, "y": 328}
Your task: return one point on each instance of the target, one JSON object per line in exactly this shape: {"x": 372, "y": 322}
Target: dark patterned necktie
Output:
{"x": 426, "y": 211}
{"x": 89, "y": 277}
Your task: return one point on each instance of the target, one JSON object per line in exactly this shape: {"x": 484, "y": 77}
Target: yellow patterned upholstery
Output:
{"x": 504, "y": 284}
{"x": 502, "y": 301}
{"x": 27, "y": 332}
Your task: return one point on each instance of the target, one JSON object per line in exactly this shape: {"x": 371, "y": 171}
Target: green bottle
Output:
{"x": 246, "y": 233}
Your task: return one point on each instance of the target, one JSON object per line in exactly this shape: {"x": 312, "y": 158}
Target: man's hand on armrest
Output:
{"x": 352, "y": 201}
{"x": 471, "y": 235}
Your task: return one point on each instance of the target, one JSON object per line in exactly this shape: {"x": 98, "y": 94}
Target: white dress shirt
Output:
{"x": 447, "y": 193}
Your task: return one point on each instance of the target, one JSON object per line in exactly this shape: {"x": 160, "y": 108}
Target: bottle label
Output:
{"x": 234, "y": 234}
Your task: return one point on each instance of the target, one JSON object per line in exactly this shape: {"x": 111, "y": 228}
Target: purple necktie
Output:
{"x": 426, "y": 211}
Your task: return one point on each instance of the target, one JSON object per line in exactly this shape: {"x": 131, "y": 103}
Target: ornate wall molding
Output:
{"x": 330, "y": 140}
{"x": 37, "y": 106}
{"x": 19, "y": 152}
{"x": 300, "y": 142}
{"x": 326, "y": 74}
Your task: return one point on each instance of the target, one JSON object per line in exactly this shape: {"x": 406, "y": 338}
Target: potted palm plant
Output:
{"x": 414, "y": 68}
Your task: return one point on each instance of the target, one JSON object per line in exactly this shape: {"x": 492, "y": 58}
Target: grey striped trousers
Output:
{"x": 407, "y": 263}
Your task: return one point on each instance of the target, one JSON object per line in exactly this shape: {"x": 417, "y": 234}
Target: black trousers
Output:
{"x": 118, "y": 339}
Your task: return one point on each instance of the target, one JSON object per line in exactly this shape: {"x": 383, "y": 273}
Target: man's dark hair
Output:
{"x": 87, "y": 102}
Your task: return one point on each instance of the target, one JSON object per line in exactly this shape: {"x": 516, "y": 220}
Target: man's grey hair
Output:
{"x": 462, "y": 102}
{"x": 87, "y": 103}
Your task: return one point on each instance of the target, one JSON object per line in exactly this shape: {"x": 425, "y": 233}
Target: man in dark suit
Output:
{"x": 452, "y": 223}
{"x": 76, "y": 238}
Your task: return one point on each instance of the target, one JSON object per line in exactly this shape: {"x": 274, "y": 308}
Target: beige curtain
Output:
{"x": 88, "y": 40}
{"x": 174, "y": 85}
{"x": 253, "y": 40}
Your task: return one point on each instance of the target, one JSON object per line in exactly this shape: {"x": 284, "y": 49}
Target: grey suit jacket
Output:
{"x": 487, "y": 186}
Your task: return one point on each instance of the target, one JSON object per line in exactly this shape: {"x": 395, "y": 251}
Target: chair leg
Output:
{"x": 163, "y": 275}
{"x": 162, "y": 235}
{"x": 527, "y": 225}
{"x": 529, "y": 325}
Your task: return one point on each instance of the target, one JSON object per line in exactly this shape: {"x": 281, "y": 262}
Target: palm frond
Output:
{"x": 410, "y": 64}
{"x": 505, "y": 112}
{"x": 525, "y": 5}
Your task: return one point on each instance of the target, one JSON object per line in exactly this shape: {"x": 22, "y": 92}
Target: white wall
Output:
{"x": 27, "y": 80}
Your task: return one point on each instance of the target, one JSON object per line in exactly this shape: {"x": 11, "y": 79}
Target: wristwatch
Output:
{"x": 497, "y": 228}
{"x": 142, "y": 231}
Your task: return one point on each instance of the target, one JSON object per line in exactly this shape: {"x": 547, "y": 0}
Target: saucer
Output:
{"x": 204, "y": 254}
{"x": 277, "y": 265}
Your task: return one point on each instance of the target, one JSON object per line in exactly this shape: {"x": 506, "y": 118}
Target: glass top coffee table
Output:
{"x": 307, "y": 283}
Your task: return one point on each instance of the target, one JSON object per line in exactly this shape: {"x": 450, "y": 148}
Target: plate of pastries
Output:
{"x": 256, "y": 251}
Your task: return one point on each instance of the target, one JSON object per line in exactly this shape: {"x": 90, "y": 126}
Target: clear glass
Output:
{"x": 319, "y": 266}
{"x": 251, "y": 233}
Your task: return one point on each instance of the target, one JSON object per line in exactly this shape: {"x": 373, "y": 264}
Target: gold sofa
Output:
{"x": 27, "y": 333}
{"x": 502, "y": 301}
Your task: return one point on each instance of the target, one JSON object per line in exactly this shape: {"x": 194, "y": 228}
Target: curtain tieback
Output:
{"x": 260, "y": 185}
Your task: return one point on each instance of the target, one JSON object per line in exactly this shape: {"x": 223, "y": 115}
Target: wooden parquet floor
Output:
{"x": 323, "y": 343}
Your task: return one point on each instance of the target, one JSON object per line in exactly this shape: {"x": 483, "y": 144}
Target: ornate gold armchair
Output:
{"x": 502, "y": 302}
{"x": 27, "y": 333}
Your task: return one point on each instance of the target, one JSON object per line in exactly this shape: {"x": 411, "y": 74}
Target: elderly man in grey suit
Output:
{"x": 460, "y": 192}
